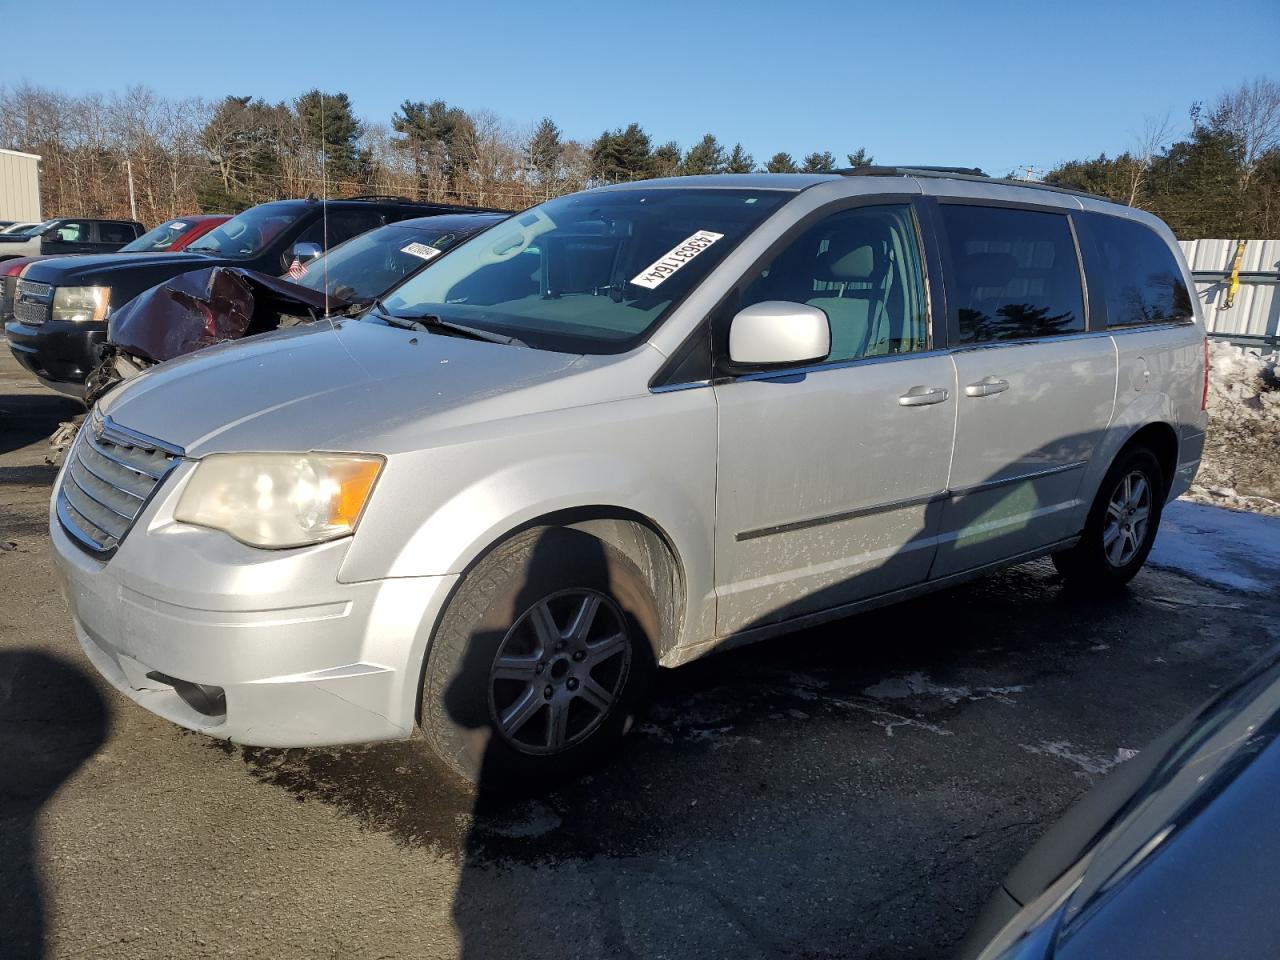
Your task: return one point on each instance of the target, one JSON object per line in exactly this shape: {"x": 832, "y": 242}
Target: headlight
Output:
{"x": 81, "y": 303}
{"x": 279, "y": 499}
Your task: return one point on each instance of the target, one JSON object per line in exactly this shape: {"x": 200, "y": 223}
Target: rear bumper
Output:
{"x": 302, "y": 660}
{"x": 60, "y": 353}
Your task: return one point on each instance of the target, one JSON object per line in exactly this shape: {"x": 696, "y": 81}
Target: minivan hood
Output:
{"x": 348, "y": 385}
{"x": 77, "y": 269}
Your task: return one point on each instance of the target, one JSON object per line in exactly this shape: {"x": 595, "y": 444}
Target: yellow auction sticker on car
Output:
{"x": 675, "y": 258}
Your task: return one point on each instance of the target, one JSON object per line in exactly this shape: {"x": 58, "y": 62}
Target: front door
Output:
{"x": 1036, "y": 390}
{"x": 830, "y": 478}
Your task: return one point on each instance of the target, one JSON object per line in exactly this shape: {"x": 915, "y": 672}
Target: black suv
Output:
{"x": 70, "y": 235}
{"x": 61, "y": 306}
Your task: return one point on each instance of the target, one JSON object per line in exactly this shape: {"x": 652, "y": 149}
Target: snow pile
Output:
{"x": 1241, "y": 465}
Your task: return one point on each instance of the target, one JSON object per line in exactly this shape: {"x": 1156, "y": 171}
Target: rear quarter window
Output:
{"x": 1141, "y": 278}
{"x": 1015, "y": 274}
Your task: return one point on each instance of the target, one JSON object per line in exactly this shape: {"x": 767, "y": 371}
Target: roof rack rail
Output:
{"x": 906, "y": 170}
{"x": 379, "y": 196}
{"x": 964, "y": 173}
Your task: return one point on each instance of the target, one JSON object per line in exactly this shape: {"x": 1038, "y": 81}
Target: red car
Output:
{"x": 170, "y": 237}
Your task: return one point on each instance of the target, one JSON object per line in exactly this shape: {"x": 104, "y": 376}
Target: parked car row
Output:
{"x": 61, "y": 306}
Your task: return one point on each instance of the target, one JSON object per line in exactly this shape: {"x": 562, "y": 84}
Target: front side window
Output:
{"x": 1143, "y": 281}
{"x": 590, "y": 272}
{"x": 1015, "y": 273}
{"x": 862, "y": 268}
{"x": 338, "y": 227}
{"x": 249, "y": 233}
{"x": 72, "y": 231}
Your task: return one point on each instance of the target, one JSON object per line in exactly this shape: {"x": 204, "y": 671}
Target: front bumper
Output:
{"x": 264, "y": 648}
{"x": 59, "y": 352}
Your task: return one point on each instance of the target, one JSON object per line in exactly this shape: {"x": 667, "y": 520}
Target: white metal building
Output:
{"x": 1255, "y": 311}
{"x": 19, "y": 186}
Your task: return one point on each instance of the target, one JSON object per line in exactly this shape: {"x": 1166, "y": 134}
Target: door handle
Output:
{"x": 986, "y": 387}
{"x": 922, "y": 396}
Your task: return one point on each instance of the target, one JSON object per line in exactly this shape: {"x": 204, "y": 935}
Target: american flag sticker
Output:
{"x": 296, "y": 269}
{"x": 675, "y": 258}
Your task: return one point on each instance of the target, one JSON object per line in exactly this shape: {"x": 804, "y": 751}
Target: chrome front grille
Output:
{"x": 32, "y": 302}
{"x": 111, "y": 473}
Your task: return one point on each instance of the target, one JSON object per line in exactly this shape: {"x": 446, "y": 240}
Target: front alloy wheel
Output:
{"x": 559, "y": 671}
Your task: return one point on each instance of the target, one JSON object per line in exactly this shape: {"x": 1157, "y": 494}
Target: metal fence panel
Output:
{"x": 1255, "y": 313}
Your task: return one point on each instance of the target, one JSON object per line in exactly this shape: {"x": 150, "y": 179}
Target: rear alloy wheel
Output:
{"x": 540, "y": 660}
{"x": 1121, "y": 526}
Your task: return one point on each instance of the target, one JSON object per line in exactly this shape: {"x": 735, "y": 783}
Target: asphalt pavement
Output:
{"x": 851, "y": 791}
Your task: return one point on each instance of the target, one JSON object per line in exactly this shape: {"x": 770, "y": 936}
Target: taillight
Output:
{"x": 1204, "y": 397}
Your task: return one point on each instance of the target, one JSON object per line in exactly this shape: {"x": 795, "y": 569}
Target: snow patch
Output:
{"x": 1090, "y": 766}
{"x": 1227, "y": 548}
{"x": 919, "y": 685}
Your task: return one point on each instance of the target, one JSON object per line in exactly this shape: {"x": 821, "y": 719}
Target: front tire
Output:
{"x": 1122, "y": 524}
{"x": 540, "y": 660}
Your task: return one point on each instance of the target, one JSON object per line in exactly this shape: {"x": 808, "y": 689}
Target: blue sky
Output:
{"x": 997, "y": 85}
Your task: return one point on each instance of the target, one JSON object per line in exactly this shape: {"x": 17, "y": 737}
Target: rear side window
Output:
{"x": 115, "y": 233}
{"x": 1015, "y": 273}
{"x": 1143, "y": 281}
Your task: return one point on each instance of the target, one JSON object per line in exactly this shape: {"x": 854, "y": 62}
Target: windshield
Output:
{"x": 249, "y": 233}
{"x": 590, "y": 272}
{"x": 367, "y": 265}
{"x": 158, "y": 238}
{"x": 23, "y": 229}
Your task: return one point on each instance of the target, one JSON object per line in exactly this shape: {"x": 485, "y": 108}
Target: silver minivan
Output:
{"x": 624, "y": 429}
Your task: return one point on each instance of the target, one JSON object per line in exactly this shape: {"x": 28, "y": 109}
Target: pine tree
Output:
{"x": 860, "y": 158}
{"x": 545, "y": 150}
{"x": 330, "y": 126}
{"x": 706, "y": 156}
{"x": 622, "y": 155}
{"x": 781, "y": 163}
{"x": 739, "y": 161}
{"x": 823, "y": 162}
{"x": 666, "y": 160}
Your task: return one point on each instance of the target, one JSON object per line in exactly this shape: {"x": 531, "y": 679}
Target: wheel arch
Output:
{"x": 639, "y": 538}
{"x": 1162, "y": 440}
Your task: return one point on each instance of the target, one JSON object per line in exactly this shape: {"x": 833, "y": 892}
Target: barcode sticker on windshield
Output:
{"x": 674, "y": 259}
{"x": 420, "y": 250}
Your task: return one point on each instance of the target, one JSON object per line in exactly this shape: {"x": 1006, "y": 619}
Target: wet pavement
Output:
{"x": 850, "y": 791}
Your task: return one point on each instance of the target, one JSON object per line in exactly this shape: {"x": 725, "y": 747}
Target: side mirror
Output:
{"x": 306, "y": 251}
{"x": 777, "y": 333}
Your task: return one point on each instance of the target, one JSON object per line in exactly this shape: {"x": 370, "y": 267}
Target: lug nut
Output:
{"x": 539, "y": 668}
{"x": 547, "y": 691}
{"x": 573, "y": 683}
{"x": 579, "y": 654}
{"x": 560, "y": 645}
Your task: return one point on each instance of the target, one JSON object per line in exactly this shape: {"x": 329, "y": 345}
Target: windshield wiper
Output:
{"x": 429, "y": 322}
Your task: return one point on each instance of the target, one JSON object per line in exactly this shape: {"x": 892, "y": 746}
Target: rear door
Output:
{"x": 1035, "y": 386}
{"x": 830, "y": 477}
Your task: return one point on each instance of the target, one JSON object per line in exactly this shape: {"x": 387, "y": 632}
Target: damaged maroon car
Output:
{"x": 203, "y": 307}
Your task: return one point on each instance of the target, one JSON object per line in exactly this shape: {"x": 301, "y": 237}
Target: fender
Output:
{"x": 435, "y": 512}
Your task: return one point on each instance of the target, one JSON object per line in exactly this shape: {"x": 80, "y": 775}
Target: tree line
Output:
{"x": 1222, "y": 178}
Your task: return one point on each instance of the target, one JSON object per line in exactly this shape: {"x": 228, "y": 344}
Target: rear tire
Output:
{"x": 541, "y": 660}
{"x": 1121, "y": 526}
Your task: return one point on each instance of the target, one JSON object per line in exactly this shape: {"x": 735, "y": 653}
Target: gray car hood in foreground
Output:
{"x": 352, "y": 386}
